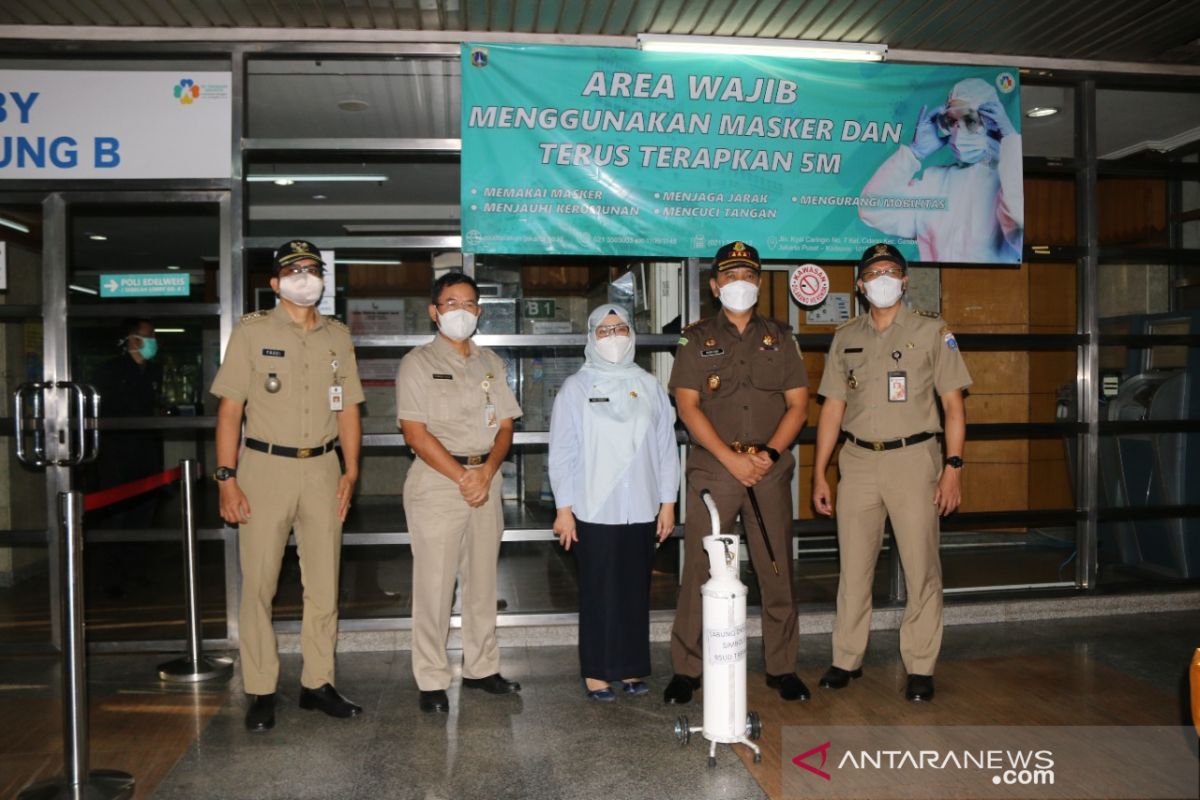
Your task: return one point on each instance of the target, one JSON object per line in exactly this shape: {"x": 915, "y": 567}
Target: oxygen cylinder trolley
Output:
{"x": 724, "y": 598}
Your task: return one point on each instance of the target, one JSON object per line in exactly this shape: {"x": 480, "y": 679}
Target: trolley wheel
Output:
{"x": 758, "y": 758}
{"x": 712, "y": 761}
{"x": 753, "y": 726}
{"x": 683, "y": 731}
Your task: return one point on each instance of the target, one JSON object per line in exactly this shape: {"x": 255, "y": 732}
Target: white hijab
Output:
{"x": 613, "y": 430}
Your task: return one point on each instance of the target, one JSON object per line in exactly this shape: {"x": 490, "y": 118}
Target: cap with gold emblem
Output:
{"x": 737, "y": 254}
{"x": 882, "y": 252}
{"x": 295, "y": 250}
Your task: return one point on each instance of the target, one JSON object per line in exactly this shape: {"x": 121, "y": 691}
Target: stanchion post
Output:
{"x": 195, "y": 666}
{"x": 79, "y": 782}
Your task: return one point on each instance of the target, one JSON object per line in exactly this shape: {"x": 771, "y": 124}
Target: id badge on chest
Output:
{"x": 335, "y": 398}
{"x": 489, "y": 415}
{"x": 898, "y": 387}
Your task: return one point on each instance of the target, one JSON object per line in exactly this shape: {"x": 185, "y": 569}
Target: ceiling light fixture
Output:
{"x": 316, "y": 179}
{"x": 12, "y": 223}
{"x": 168, "y": 330}
{"x": 376, "y": 262}
{"x": 353, "y": 104}
{"x": 97, "y": 237}
{"x": 1037, "y": 112}
{"x": 172, "y": 266}
{"x": 283, "y": 181}
{"x": 744, "y": 45}
{"x": 75, "y": 288}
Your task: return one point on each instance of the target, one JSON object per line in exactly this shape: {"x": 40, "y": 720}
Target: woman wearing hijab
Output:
{"x": 614, "y": 470}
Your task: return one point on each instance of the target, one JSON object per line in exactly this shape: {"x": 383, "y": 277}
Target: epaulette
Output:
{"x": 927, "y": 314}
{"x": 337, "y": 323}
{"x": 255, "y": 316}
{"x": 844, "y": 324}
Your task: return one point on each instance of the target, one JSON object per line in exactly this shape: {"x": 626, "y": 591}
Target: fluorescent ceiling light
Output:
{"x": 1041, "y": 111}
{"x": 73, "y": 287}
{"x": 12, "y": 223}
{"x": 744, "y": 45}
{"x": 379, "y": 262}
{"x": 168, "y": 330}
{"x": 97, "y": 237}
{"x": 316, "y": 178}
{"x": 172, "y": 266}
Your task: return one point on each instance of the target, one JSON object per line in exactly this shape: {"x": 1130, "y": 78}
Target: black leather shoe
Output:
{"x": 261, "y": 714}
{"x": 838, "y": 678}
{"x": 789, "y": 686}
{"x": 435, "y": 701}
{"x": 493, "y": 684}
{"x": 920, "y": 688}
{"x": 679, "y": 690}
{"x": 328, "y": 700}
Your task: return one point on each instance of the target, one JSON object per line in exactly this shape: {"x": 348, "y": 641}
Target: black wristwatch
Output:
{"x": 954, "y": 461}
{"x": 224, "y": 473}
{"x": 772, "y": 452}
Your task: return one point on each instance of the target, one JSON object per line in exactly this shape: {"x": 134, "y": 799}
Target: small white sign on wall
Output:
{"x": 328, "y": 299}
{"x": 3, "y": 266}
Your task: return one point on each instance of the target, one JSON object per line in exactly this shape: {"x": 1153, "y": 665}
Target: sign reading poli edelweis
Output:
{"x": 605, "y": 151}
{"x": 57, "y": 124}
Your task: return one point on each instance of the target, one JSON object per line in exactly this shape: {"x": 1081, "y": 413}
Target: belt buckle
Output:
{"x": 751, "y": 449}
{"x": 878, "y": 446}
{"x": 304, "y": 452}
{"x": 474, "y": 461}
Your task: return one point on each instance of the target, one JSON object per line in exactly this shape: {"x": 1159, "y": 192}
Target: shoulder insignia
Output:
{"x": 850, "y": 321}
{"x": 337, "y": 323}
{"x": 927, "y": 314}
{"x": 255, "y": 316}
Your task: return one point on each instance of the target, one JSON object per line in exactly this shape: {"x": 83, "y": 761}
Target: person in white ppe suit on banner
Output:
{"x": 983, "y": 220}
{"x": 614, "y": 469}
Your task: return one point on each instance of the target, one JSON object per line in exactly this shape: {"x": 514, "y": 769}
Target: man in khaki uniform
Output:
{"x": 293, "y": 373}
{"x": 882, "y": 380}
{"x": 741, "y": 388}
{"x": 456, "y": 411}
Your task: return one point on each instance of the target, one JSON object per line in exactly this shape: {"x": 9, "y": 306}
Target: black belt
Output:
{"x": 290, "y": 452}
{"x": 472, "y": 461}
{"x": 893, "y": 444}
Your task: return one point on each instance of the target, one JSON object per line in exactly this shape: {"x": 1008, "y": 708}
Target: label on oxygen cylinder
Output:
{"x": 724, "y": 645}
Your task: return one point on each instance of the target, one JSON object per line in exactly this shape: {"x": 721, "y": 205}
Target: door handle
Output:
{"x": 34, "y": 424}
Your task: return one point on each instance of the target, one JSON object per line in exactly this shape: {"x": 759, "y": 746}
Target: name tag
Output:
{"x": 335, "y": 398}
{"x": 267, "y": 351}
{"x": 714, "y": 351}
{"x": 441, "y": 376}
{"x": 597, "y": 399}
{"x": 852, "y": 350}
{"x": 897, "y": 387}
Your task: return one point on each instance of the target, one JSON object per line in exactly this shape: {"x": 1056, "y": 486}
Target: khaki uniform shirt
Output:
{"x": 741, "y": 377}
{"x": 306, "y": 364}
{"x": 917, "y": 344}
{"x": 450, "y": 395}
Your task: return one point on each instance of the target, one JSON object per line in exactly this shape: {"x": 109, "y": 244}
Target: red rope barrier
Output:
{"x": 116, "y": 494}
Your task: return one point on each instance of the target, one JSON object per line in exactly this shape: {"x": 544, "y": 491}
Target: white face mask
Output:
{"x": 458, "y": 324}
{"x": 968, "y": 147}
{"x": 303, "y": 290}
{"x": 614, "y": 349}
{"x": 884, "y": 291}
{"x": 739, "y": 296}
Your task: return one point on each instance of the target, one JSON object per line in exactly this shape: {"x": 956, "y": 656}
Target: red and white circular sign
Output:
{"x": 809, "y": 284}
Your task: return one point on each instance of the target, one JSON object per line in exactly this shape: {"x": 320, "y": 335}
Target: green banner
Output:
{"x": 605, "y": 151}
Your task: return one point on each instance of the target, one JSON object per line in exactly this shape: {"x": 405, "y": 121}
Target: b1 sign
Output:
{"x": 58, "y": 124}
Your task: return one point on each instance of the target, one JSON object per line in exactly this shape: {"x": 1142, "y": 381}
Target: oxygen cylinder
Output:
{"x": 724, "y": 599}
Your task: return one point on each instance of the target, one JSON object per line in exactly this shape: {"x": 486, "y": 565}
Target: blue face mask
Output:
{"x": 149, "y": 348}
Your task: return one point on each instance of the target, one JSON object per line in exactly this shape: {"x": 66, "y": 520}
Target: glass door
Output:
{"x": 129, "y": 316}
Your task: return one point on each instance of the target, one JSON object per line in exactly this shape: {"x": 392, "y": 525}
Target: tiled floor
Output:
{"x": 549, "y": 742}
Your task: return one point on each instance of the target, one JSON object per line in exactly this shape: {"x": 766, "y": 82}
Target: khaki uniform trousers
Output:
{"x": 779, "y": 624}
{"x": 449, "y": 537}
{"x": 287, "y": 494}
{"x": 896, "y": 484}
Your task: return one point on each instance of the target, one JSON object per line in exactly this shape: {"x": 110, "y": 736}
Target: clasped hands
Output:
{"x": 474, "y": 485}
